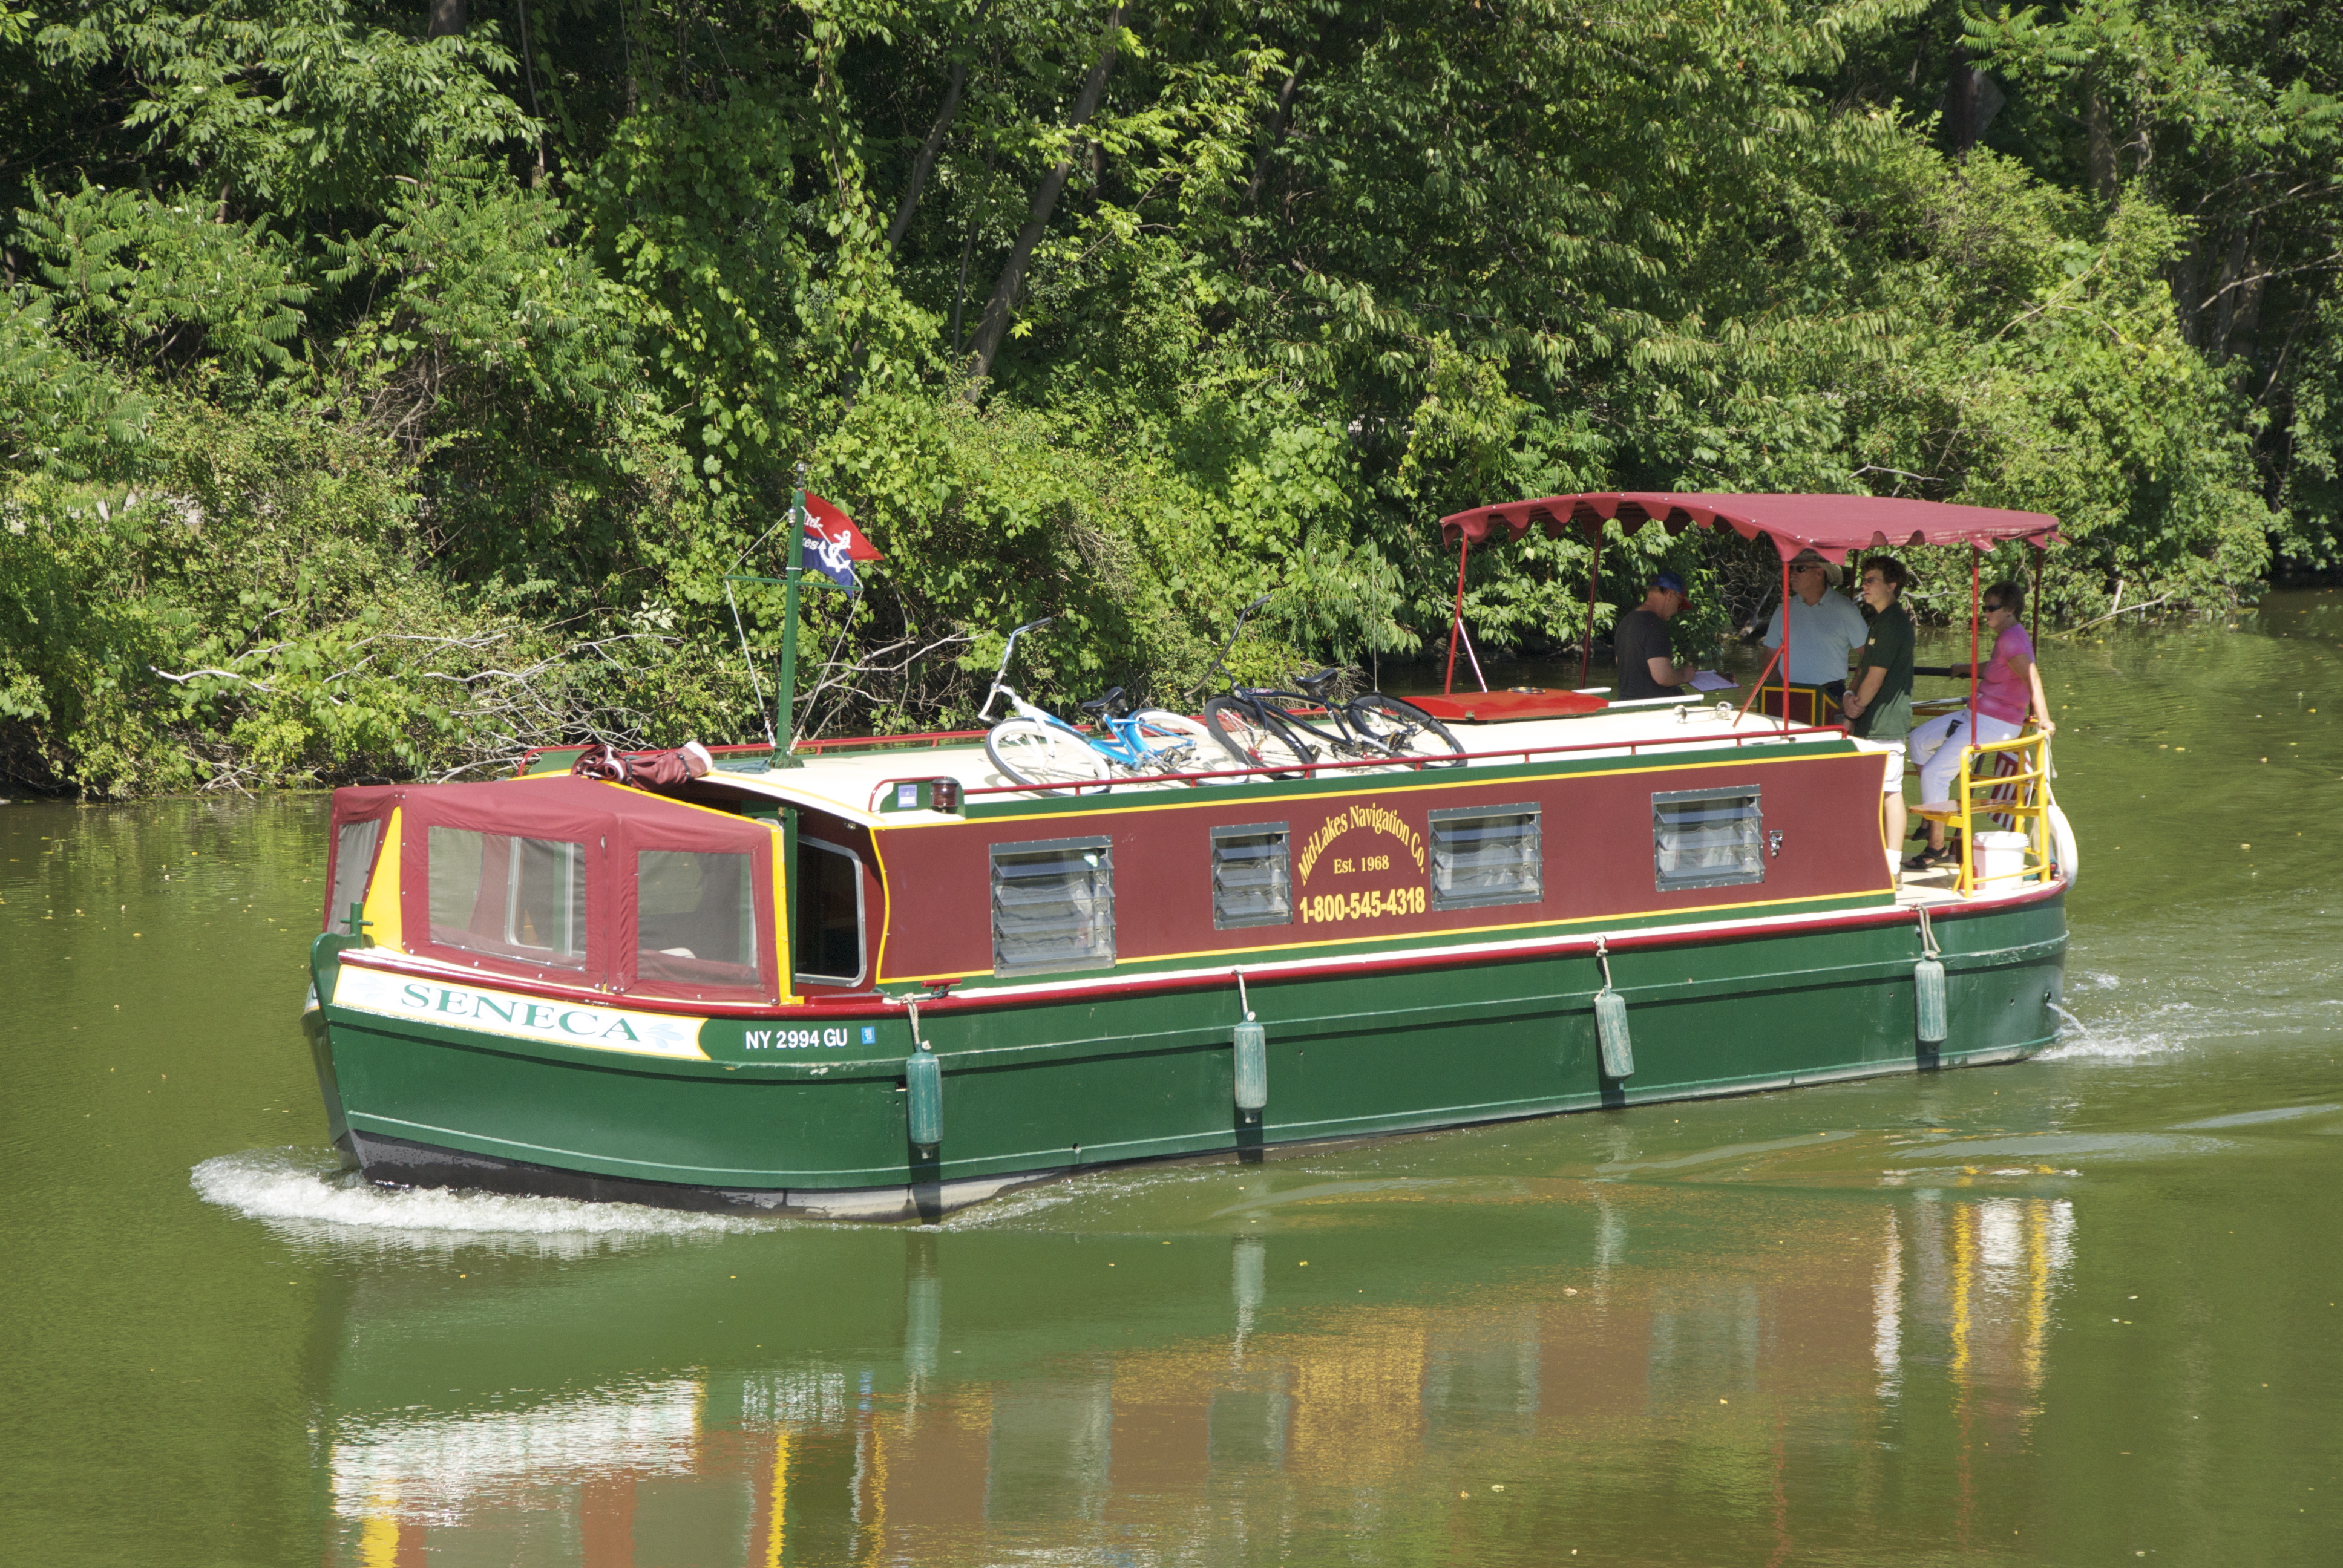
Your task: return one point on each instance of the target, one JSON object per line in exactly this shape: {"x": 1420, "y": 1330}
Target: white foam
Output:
{"x": 305, "y": 1195}
{"x": 2113, "y": 1047}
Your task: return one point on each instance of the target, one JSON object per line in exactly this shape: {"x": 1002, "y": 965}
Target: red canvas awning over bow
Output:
{"x": 1830, "y": 526}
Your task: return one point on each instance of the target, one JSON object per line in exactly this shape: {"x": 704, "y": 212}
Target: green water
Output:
{"x": 2068, "y": 1312}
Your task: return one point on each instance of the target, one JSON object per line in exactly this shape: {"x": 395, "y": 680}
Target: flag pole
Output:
{"x": 784, "y": 754}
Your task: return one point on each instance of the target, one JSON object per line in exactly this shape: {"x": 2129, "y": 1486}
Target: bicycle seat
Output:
{"x": 1315, "y": 685}
{"x": 1110, "y": 704}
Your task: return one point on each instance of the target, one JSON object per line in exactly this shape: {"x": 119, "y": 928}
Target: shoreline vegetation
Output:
{"x": 384, "y": 389}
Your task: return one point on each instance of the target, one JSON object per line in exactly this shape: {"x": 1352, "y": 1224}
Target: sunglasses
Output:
{"x": 1992, "y": 605}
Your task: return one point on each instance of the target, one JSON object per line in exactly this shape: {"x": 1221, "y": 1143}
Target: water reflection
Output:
{"x": 1017, "y": 1421}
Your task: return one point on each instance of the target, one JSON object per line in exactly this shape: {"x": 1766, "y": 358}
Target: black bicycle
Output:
{"x": 1281, "y": 732}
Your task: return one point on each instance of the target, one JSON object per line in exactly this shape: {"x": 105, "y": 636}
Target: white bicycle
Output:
{"x": 1037, "y": 747}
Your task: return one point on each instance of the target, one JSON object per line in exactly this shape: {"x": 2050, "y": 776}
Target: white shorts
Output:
{"x": 1894, "y": 783}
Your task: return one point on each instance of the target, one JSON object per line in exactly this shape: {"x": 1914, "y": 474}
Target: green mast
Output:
{"x": 785, "y": 747}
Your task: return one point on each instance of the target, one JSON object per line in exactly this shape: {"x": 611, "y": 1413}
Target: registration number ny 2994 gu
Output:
{"x": 1367, "y": 904}
{"x": 832, "y": 1038}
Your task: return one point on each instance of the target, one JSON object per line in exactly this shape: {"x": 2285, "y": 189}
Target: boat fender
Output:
{"x": 1251, "y": 1058}
{"x": 2062, "y": 840}
{"x": 1253, "y": 1068}
{"x": 1928, "y": 988}
{"x": 923, "y": 1084}
{"x": 923, "y": 1075}
{"x": 1611, "y": 1023}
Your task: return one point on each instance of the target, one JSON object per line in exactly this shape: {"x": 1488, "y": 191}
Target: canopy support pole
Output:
{"x": 2037, "y": 632}
{"x": 1593, "y": 575}
{"x": 1785, "y": 643}
{"x": 1757, "y": 687}
{"x": 1974, "y": 614}
{"x": 1456, "y": 621}
{"x": 1474, "y": 655}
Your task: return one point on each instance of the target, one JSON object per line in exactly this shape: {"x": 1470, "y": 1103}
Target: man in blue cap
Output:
{"x": 1647, "y": 665}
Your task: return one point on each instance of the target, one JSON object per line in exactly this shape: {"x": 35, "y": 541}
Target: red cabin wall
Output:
{"x": 1596, "y": 838}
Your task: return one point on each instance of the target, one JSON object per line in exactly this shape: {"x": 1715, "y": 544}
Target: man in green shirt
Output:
{"x": 1878, "y": 704}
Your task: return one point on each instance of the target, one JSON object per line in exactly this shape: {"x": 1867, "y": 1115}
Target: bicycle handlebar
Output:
{"x": 1219, "y": 660}
{"x": 1010, "y": 647}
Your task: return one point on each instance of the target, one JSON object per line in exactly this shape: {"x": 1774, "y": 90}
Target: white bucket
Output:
{"x": 1999, "y": 859}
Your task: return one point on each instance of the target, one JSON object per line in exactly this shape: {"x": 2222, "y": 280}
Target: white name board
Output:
{"x": 458, "y": 1005}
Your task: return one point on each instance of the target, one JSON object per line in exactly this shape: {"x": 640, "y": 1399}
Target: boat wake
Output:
{"x": 306, "y": 1195}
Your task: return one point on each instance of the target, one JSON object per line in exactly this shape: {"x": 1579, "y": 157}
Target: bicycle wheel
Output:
{"x": 1045, "y": 756}
{"x": 1254, "y": 738}
{"x": 1404, "y": 729}
{"x": 1175, "y": 744}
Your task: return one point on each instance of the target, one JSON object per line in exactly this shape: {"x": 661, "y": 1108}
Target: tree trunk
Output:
{"x": 1276, "y": 131}
{"x": 927, "y": 158}
{"x": 2099, "y": 155}
{"x": 995, "y": 322}
{"x": 447, "y": 18}
{"x": 922, "y": 165}
{"x": 1960, "y": 105}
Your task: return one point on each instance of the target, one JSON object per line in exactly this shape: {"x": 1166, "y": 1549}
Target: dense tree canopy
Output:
{"x": 386, "y": 387}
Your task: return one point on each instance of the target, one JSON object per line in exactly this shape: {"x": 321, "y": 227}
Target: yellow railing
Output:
{"x": 2021, "y": 795}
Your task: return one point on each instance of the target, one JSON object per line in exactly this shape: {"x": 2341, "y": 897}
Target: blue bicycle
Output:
{"x": 1036, "y": 748}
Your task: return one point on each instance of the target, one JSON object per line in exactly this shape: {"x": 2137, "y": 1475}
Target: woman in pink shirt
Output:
{"x": 2008, "y": 683}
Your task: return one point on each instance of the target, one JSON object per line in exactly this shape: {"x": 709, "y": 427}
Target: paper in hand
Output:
{"x": 1709, "y": 680}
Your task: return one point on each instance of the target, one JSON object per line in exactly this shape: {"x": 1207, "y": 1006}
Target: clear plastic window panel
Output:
{"x": 828, "y": 914}
{"x": 354, "y": 847}
{"x": 1707, "y": 838}
{"x": 508, "y": 897}
{"x": 1487, "y": 858}
{"x": 1252, "y": 877}
{"x": 1053, "y": 907}
{"x": 695, "y": 917}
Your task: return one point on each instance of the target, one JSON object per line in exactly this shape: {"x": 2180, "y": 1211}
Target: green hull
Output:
{"x": 1073, "y": 1082}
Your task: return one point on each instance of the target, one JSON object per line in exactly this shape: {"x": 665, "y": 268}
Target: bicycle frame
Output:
{"x": 1128, "y": 745}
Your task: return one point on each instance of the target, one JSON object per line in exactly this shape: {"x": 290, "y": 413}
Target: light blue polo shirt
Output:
{"x": 1824, "y": 636}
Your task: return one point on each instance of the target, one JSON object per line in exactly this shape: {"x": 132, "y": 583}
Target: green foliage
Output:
{"x": 376, "y": 405}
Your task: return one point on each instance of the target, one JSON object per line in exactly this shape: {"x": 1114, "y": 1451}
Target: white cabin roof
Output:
{"x": 848, "y": 783}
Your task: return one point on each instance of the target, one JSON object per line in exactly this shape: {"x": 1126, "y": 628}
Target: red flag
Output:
{"x": 838, "y": 529}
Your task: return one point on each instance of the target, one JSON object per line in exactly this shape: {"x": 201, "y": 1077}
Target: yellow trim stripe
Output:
{"x": 1691, "y": 914}
{"x": 784, "y": 959}
{"x": 887, "y": 908}
{"x": 382, "y": 901}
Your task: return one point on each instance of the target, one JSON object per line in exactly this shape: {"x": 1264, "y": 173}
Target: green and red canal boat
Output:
{"x": 889, "y": 981}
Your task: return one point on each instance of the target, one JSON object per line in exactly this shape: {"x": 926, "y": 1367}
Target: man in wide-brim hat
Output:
{"x": 1825, "y": 628}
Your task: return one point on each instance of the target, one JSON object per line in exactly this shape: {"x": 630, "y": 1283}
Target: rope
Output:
{"x": 1927, "y": 936}
{"x": 1603, "y": 957}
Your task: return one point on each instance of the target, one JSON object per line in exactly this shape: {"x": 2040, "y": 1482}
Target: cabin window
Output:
{"x": 508, "y": 897}
{"x": 695, "y": 917}
{"x": 828, "y": 895}
{"x": 1707, "y": 837}
{"x": 1052, "y": 906}
{"x": 1252, "y": 876}
{"x": 1486, "y": 855}
{"x": 354, "y": 847}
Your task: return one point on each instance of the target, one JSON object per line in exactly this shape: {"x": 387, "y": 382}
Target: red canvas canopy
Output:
{"x": 574, "y": 882}
{"x": 1830, "y": 526}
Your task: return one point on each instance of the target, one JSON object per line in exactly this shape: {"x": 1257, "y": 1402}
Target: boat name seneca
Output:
{"x": 1380, "y": 819}
{"x": 521, "y": 1017}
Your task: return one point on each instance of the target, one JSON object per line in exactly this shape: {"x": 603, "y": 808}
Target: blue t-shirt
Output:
{"x": 1822, "y": 635}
